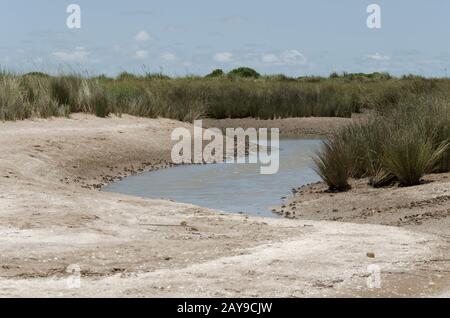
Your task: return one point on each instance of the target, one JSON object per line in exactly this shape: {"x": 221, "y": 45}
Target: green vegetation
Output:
{"x": 409, "y": 156}
{"x": 215, "y": 73}
{"x": 333, "y": 165}
{"x": 407, "y": 137}
{"x": 244, "y": 72}
{"x": 240, "y": 93}
{"x": 398, "y": 145}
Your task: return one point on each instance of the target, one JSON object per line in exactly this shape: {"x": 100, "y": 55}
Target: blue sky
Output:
{"x": 179, "y": 37}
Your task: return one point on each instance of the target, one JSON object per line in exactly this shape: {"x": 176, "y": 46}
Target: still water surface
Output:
{"x": 229, "y": 187}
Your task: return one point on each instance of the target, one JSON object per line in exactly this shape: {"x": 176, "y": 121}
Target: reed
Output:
{"x": 398, "y": 145}
{"x": 239, "y": 93}
{"x": 333, "y": 164}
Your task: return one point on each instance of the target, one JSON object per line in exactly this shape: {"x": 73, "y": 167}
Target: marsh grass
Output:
{"x": 407, "y": 138}
{"x": 12, "y": 104}
{"x": 237, "y": 94}
{"x": 401, "y": 144}
{"x": 409, "y": 156}
{"x": 333, "y": 165}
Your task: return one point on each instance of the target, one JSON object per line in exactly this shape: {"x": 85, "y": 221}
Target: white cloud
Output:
{"x": 168, "y": 56}
{"x": 288, "y": 57}
{"x": 223, "y": 57}
{"x": 141, "y": 54}
{"x": 293, "y": 57}
{"x": 142, "y": 36}
{"x": 270, "y": 58}
{"x": 378, "y": 57}
{"x": 77, "y": 55}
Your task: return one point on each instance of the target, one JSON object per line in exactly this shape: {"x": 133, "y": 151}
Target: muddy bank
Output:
{"x": 425, "y": 207}
{"x": 51, "y": 218}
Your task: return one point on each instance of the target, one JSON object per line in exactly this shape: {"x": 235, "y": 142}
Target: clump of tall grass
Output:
{"x": 39, "y": 99}
{"x": 380, "y": 177}
{"x": 333, "y": 165}
{"x": 410, "y": 155}
{"x": 27, "y": 96}
{"x": 12, "y": 101}
{"x": 100, "y": 103}
{"x": 399, "y": 145}
{"x": 65, "y": 90}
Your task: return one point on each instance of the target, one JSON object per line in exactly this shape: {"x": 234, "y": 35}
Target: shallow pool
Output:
{"x": 229, "y": 187}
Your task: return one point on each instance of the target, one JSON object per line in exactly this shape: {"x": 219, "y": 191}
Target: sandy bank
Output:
{"x": 425, "y": 207}
{"x": 50, "y": 218}
{"x": 312, "y": 127}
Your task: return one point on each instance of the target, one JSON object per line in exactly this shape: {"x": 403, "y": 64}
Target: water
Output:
{"x": 229, "y": 187}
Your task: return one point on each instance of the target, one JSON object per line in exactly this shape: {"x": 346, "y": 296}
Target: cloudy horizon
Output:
{"x": 177, "y": 38}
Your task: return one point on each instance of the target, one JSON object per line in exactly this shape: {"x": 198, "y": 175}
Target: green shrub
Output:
{"x": 215, "y": 73}
{"x": 245, "y": 72}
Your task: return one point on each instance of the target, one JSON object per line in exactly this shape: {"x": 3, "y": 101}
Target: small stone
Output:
{"x": 370, "y": 254}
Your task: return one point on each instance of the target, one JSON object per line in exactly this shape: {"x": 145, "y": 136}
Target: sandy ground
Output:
{"x": 425, "y": 207}
{"x": 52, "y": 217}
{"x": 313, "y": 127}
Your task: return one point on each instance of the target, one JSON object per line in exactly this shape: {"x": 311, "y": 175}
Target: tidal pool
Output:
{"x": 229, "y": 187}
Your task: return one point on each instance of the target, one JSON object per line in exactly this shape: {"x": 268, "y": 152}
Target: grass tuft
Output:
{"x": 333, "y": 165}
{"x": 409, "y": 156}
{"x": 400, "y": 144}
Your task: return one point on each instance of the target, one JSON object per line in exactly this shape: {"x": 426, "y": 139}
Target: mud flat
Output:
{"x": 53, "y": 216}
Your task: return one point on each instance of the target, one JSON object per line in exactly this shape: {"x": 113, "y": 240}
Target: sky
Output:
{"x": 180, "y": 37}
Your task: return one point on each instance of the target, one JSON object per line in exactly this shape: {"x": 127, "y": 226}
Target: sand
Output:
{"x": 312, "y": 127}
{"x": 52, "y": 216}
